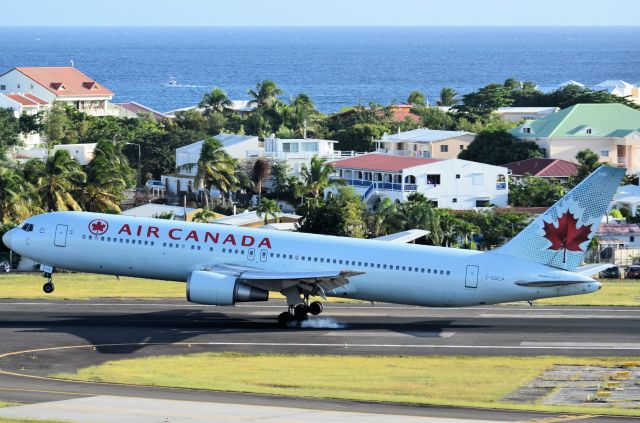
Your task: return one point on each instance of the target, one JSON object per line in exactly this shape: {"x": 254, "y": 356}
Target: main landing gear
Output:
{"x": 299, "y": 312}
{"x": 48, "y": 287}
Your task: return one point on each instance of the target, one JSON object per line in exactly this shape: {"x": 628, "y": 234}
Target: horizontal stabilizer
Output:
{"x": 404, "y": 236}
{"x": 547, "y": 283}
{"x": 593, "y": 269}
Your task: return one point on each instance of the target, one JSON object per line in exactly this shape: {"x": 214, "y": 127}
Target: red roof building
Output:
{"x": 381, "y": 162}
{"x": 543, "y": 168}
{"x": 134, "y": 109}
{"x": 400, "y": 112}
{"x": 61, "y": 84}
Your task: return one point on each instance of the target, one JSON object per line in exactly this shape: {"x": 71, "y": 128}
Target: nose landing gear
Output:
{"x": 47, "y": 272}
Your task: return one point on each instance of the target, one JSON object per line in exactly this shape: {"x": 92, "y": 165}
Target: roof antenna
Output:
{"x": 72, "y": 64}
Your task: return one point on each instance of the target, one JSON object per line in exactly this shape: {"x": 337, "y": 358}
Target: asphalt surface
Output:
{"x": 38, "y": 338}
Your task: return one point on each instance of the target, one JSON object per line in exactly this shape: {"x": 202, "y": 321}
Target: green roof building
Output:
{"x": 610, "y": 130}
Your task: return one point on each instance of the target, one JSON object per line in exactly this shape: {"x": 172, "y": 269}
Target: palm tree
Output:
{"x": 261, "y": 171}
{"x": 108, "y": 175}
{"x": 215, "y": 168}
{"x": 382, "y": 220}
{"x": 265, "y": 94}
{"x": 215, "y": 101}
{"x": 15, "y": 195}
{"x": 59, "y": 180}
{"x": 203, "y": 216}
{"x": 268, "y": 207}
{"x": 448, "y": 97}
{"x": 317, "y": 177}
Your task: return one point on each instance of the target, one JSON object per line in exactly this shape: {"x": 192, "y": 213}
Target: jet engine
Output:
{"x": 217, "y": 289}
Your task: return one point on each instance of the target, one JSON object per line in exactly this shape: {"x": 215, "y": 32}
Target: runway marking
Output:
{"x": 558, "y": 419}
{"x": 390, "y": 334}
{"x": 557, "y": 316}
{"x": 599, "y": 345}
{"x": 44, "y": 391}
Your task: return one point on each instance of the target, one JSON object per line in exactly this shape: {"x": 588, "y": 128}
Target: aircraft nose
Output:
{"x": 6, "y": 239}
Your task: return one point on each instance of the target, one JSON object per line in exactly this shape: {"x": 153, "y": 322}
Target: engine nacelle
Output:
{"x": 216, "y": 289}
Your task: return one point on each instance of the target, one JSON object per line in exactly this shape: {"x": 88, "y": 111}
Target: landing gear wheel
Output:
{"x": 284, "y": 318}
{"x": 316, "y": 308}
{"x": 48, "y": 288}
{"x": 300, "y": 312}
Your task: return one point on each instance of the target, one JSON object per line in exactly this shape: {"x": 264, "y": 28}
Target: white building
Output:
{"x": 299, "y": 151}
{"x": 516, "y": 114}
{"x": 61, "y": 84}
{"x": 82, "y": 153}
{"x": 237, "y": 146}
{"x": 448, "y": 183}
{"x": 424, "y": 142}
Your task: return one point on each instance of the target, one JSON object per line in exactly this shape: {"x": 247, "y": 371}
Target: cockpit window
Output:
{"x": 27, "y": 227}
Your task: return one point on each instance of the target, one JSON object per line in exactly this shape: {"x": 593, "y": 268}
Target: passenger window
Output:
{"x": 340, "y": 261}
{"x": 448, "y": 273}
{"x": 210, "y": 248}
{"x": 315, "y": 259}
{"x": 384, "y": 266}
{"x": 334, "y": 261}
{"x": 442, "y": 272}
{"x": 397, "y": 267}
{"x": 84, "y": 237}
{"x": 153, "y": 243}
{"x": 127, "y": 241}
{"x": 146, "y": 243}
{"x": 409, "y": 269}
{"x": 198, "y": 248}
{"x": 272, "y": 254}
{"x": 422, "y": 270}
{"x": 403, "y": 268}
{"x": 416, "y": 269}
{"x": 121, "y": 240}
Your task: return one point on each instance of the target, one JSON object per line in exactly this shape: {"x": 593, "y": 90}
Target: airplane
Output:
{"x": 224, "y": 265}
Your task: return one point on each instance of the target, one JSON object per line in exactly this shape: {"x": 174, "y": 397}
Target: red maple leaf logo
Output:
{"x": 98, "y": 227}
{"x": 566, "y": 236}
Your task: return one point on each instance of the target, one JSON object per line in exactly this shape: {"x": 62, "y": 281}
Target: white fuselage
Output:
{"x": 392, "y": 272}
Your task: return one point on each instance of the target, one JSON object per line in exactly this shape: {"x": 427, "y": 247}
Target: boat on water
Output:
{"x": 173, "y": 82}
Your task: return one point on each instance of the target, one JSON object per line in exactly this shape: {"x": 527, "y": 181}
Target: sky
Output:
{"x": 320, "y": 13}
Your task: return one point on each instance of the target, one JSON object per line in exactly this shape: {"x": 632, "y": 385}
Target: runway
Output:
{"x": 44, "y": 337}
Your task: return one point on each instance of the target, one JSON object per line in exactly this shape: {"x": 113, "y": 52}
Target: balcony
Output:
{"x": 383, "y": 186}
{"x": 404, "y": 153}
{"x": 302, "y": 155}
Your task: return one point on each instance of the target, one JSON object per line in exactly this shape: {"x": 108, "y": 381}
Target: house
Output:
{"x": 155, "y": 210}
{"x": 447, "y": 183}
{"x": 241, "y": 107}
{"x": 610, "y": 130}
{"x": 560, "y": 170}
{"x": 619, "y": 88}
{"x": 250, "y": 219}
{"x": 299, "y": 151}
{"x": 62, "y": 84}
{"x": 516, "y": 114}
{"x": 400, "y": 112}
{"x": 237, "y": 146}
{"x": 82, "y": 153}
{"x": 23, "y": 103}
{"x": 134, "y": 110}
{"x": 424, "y": 142}
{"x": 625, "y": 235}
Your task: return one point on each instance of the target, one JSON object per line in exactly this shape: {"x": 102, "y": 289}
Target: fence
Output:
{"x": 618, "y": 255}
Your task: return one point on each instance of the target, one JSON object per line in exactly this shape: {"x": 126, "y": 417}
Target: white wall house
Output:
{"x": 82, "y": 153}
{"x": 62, "y": 84}
{"x": 299, "y": 151}
{"x": 425, "y": 142}
{"x": 448, "y": 183}
{"x": 516, "y": 114}
{"x": 237, "y": 146}
{"x": 28, "y": 104}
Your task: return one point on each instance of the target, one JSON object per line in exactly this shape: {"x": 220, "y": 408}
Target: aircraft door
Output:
{"x": 60, "y": 239}
{"x": 471, "y": 279}
{"x": 251, "y": 254}
{"x": 263, "y": 255}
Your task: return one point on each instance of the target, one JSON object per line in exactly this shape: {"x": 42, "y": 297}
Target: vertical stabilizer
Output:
{"x": 560, "y": 236}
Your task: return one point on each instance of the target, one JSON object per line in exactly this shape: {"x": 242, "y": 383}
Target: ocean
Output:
{"x": 335, "y": 66}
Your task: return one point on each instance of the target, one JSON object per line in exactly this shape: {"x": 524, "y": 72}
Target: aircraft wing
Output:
{"x": 404, "y": 236}
{"x": 311, "y": 283}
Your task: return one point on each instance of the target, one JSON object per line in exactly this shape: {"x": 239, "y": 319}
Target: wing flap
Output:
{"x": 313, "y": 283}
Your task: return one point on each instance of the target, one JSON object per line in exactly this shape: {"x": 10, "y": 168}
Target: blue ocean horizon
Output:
{"x": 336, "y": 66}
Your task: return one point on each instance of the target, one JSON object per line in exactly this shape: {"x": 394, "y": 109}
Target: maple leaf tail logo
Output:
{"x": 567, "y": 236}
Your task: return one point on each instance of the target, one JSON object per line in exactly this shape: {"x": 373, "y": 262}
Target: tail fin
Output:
{"x": 560, "y": 236}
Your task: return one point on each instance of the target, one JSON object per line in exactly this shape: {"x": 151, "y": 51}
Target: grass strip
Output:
{"x": 613, "y": 293}
{"x": 83, "y": 286}
{"x": 443, "y": 380}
